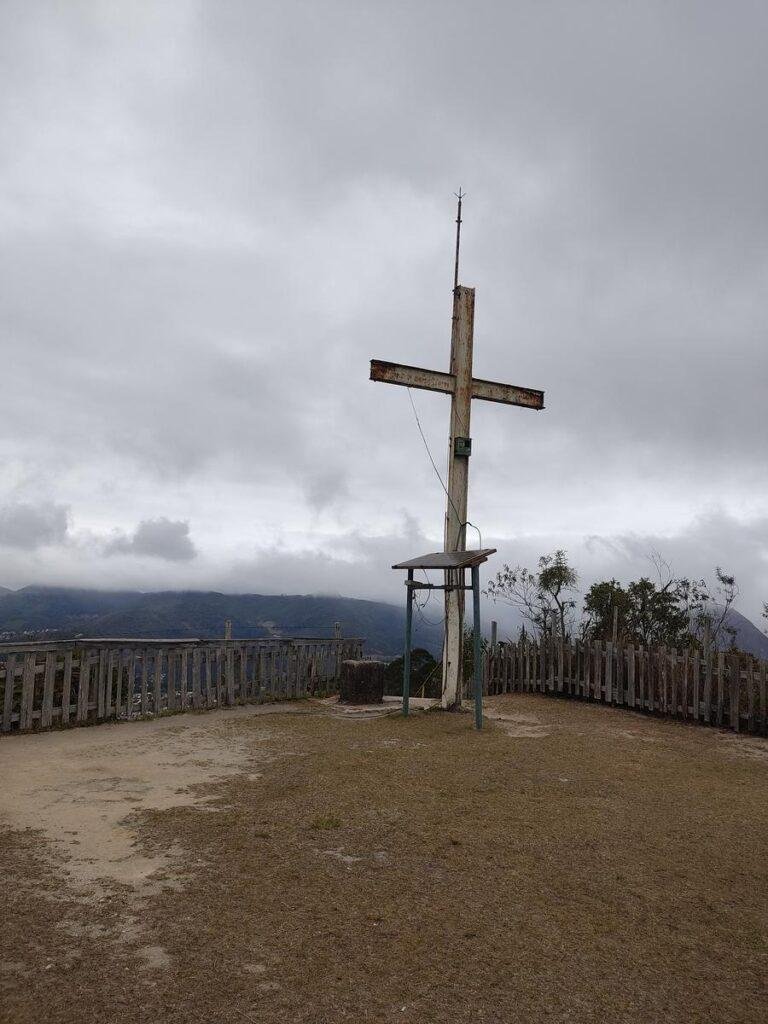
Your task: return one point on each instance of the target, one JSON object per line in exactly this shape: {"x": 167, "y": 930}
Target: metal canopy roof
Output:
{"x": 447, "y": 559}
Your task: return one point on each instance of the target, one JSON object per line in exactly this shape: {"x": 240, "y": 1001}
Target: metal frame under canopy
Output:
{"x": 454, "y": 564}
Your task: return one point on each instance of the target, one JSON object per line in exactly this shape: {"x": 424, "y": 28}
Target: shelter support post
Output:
{"x": 407, "y": 652}
{"x": 477, "y": 660}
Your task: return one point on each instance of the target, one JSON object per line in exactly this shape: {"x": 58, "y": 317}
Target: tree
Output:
{"x": 542, "y": 597}
{"x": 670, "y": 611}
{"x": 556, "y": 580}
{"x": 468, "y": 658}
{"x": 599, "y": 604}
{"x": 657, "y": 614}
{"x": 425, "y": 675}
{"x": 708, "y": 614}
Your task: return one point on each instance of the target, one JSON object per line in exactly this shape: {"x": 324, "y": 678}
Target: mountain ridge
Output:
{"x": 748, "y": 636}
{"x": 67, "y": 612}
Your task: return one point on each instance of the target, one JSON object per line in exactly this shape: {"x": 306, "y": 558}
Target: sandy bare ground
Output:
{"x": 286, "y": 863}
{"x": 78, "y": 786}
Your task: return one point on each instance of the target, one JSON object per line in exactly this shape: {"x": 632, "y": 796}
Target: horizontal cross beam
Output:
{"x": 434, "y": 380}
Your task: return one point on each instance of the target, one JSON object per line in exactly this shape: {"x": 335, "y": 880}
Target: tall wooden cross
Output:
{"x": 462, "y": 387}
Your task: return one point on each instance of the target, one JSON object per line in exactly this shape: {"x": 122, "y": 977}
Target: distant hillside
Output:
{"x": 66, "y": 612}
{"x": 36, "y": 612}
{"x": 748, "y": 637}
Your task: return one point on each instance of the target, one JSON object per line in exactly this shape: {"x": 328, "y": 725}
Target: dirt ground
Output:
{"x": 570, "y": 863}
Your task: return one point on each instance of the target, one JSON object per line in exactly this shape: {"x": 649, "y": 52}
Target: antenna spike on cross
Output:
{"x": 459, "y": 195}
{"x": 462, "y": 387}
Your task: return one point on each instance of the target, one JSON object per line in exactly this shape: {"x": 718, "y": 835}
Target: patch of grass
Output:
{"x": 325, "y": 821}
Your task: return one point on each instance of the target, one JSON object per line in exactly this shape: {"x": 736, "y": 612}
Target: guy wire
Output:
{"x": 437, "y": 473}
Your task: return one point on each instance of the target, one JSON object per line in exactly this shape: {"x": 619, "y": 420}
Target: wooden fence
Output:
{"x": 63, "y": 683}
{"x": 721, "y": 688}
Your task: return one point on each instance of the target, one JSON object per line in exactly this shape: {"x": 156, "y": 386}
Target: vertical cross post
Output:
{"x": 458, "y": 481}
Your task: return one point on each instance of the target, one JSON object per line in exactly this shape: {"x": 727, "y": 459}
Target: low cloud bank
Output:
{"x": 27, "y": 526}
{"x": 160, "y": 555}
{"x": 156, "y": 538}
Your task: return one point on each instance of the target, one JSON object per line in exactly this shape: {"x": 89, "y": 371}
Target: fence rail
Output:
{"x": 720, "y": 688}
{"x": 64, "y": 683}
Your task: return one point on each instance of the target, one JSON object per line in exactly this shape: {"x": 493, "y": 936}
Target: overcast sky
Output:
{"x": 213, "y": 214}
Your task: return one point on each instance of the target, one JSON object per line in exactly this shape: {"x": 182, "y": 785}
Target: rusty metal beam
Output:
{"x": 412, "y": 376}
{"x": 507, "y": 394}
{"x": 434, "y": 380}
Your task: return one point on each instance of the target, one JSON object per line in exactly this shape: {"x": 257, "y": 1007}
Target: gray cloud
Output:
{"x": 325, "y": 488}
{"x": 28, "y": 526}
{"x": 156, "y": 538}
{"x": 712, "y": 539}
{"x": 212, "y": 216}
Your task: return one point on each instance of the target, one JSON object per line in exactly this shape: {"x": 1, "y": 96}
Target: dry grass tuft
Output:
{"x": 325, "y": 821}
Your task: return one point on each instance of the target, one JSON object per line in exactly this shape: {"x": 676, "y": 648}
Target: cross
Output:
{"x": 462, "y": 387}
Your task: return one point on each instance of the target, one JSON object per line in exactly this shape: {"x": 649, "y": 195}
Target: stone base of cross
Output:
{"x": 462, "y": 387}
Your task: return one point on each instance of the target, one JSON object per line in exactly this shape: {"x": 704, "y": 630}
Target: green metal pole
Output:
{"x": 476, "y": 639}
{"x": 407, "y": 653}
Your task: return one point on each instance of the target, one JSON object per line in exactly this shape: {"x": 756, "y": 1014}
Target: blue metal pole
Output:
{"x": 407, "y": 652}
{"x": 476, "y": 639}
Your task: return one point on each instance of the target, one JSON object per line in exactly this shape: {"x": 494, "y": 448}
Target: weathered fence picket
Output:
{"x": 101, "y": 683}
{"x": 63, "y": 683}
{"x": 10, "y": 686}
{"x": 83, "y": 687}
{"x": 751, "y": 680}
{"x": 729, "y": 690}
{"x": 27, "y": 691}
